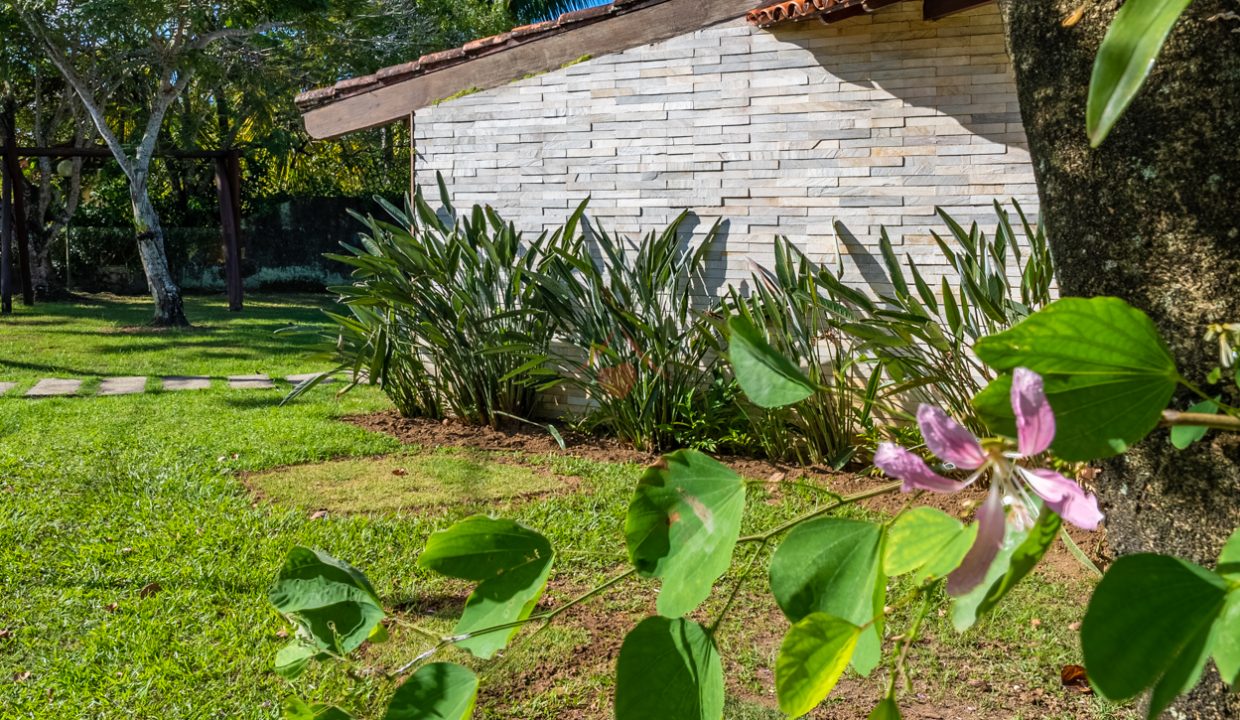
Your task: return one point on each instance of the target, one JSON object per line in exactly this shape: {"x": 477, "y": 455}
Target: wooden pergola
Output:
{"x": 13, "y": 212}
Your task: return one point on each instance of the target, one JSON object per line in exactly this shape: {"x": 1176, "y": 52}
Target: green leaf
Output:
{"x": 1229, "y": 558}
{"x": 1124, "y": 60}
{"x": 511, "y": 564}
{"x": 439, "y": 691}
{"x": 1227, "y": 641}
{"x": 1107, "y": 373}
{"x": 811, "y": 659}
{"x": 1184, "y": 435}
{"x": 949, "y": 557}
{"x": 1148, "y": 623}
{"x": 669, "y": 669}
{"x": 832, "y": 566}
{"x": 1025, "y": 549}
{"x": 768, "y": 378}
{"x": 332, "y": 603}
{"x": 297, "y": 709}
{"x": 918, "y": 536}
{"x": 682, "y": 526}
{"x": 886, "y": 710}
{"x": 292, "y": 659}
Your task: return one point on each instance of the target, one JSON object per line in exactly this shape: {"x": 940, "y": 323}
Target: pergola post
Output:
{"x": 17, "y": 203}
{"x": 413, "y": 160}
{"x": 227, "y": 172}
{"x": 6, "y": 245}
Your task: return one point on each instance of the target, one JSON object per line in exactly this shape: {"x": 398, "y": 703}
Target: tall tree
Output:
{"x": 1150, "y": 216}
{"x": 153, "y": 49}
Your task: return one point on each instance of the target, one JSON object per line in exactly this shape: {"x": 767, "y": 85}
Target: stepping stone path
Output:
{"x": 182, "y": 382}
{"x": 122, "y": 385}
{"x": 133, "y": 385}
{"x": 250, "y": 382}
{"x": 50, "y": 387}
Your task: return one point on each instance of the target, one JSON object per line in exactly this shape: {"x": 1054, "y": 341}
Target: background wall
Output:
{"x": 871, "y": 121}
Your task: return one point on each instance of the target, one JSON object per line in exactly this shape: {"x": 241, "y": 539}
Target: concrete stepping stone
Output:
{"x": 51, "y": 387}
{"x": 187, "y": 382}
{"x": 6, "y": 386}
{"x": 122, "y": 385}
{"x": 302, "y": 377}
{"x": 250, "y": 382}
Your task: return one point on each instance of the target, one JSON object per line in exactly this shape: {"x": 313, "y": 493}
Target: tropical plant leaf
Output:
{"x": 833, "y": 566}
{"x": 439, "y": 691}
{"x": 1107, "y": 374}
{"x": 1124, "y": 60}
{"x": 669, "y": 669}
{"x": 919, "y": 536}
{"x": 682, "y": 526}
{"x": 811, "y": 659}
{"x": 333, "y": 604}
{"x": 511, "y": 564}
{"x": 768, "y": 378}
{"x": 1148, "y": 626}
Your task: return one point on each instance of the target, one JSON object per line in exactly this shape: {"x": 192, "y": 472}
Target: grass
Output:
{"x": 103, "y": 497}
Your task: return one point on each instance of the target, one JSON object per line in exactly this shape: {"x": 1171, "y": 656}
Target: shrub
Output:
{"x": 444, "y": 316}
{"x": 923, "y": 339}
{"x": 637, "y": 346}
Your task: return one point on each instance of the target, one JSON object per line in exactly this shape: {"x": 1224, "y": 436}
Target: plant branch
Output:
{"x": 736, "y": 588}
{"x": 545, "y": 617}
{"x": 846, "y": 500}
{"x": 1172, "y": 418}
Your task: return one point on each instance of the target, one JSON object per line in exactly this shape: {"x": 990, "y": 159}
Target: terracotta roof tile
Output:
{"x": 825, "y": 10}
{"x": 475, "y": 48}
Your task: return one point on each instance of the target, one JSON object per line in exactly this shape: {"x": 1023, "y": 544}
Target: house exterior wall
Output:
{"x": 871, "y": 121}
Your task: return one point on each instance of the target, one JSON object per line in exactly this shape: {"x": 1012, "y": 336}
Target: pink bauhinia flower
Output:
{"x": 1010, "y": 482}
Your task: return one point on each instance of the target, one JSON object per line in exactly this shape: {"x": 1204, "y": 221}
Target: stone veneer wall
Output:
{"x": 871, "y": 121}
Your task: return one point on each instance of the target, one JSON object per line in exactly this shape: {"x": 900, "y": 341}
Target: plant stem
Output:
{"x": 906, "y": 644}
{"x": 545, "y": 616}
{"x": 1204, "y": 396}
{"x": 1172, "y": 418}
{"x": 736, "y": 588}
{"x": 846, "y": 500}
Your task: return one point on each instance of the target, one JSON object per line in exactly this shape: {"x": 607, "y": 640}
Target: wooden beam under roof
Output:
{"x": 382, "y": 104}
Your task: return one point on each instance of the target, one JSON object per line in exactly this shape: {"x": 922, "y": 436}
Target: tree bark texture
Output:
{"x": 169, "y": 307}
{"x": 1151, "y": 216}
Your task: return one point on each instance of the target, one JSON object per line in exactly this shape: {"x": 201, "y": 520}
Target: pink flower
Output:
{"x": 1010, "y": 483}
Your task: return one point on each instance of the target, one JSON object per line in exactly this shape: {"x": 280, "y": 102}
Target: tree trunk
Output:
{"x": 169, "y": 308}
{"x": 1152, "y": 217}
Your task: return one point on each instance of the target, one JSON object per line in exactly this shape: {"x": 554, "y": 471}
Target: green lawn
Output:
{"x": 101, "y": 497}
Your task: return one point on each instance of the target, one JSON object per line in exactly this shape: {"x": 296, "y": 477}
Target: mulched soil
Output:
{"x": 754, "y": 615}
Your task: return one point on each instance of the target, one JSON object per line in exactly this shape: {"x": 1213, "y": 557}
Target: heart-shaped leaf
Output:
{"x": 669, "y": 669}
{"x": 1148, "y": 626}
{"x": 768, "y": 378}
{"x": 511, "y": 564}
{"x": 439, "y": 691}
{"x": 1107, "y": 374}
{"x": 682, "y": 526}
{"x": 924, "y": 535}
{"x": 1124, "y": 60}
{"x": 811, "y": 659}
{"x": 832, "y": 566}
{"x": 332, "y": 602}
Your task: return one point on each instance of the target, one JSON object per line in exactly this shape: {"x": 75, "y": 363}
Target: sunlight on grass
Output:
{"x": 403, "y": 483}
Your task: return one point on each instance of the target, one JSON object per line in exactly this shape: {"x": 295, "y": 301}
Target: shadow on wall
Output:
{"x": 957, "y": 67}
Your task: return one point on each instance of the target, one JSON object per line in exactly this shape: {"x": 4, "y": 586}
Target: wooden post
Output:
{"x": 6, "y": 243}
{"x": 228, "y": 231}
{"x": 17, "y": 202}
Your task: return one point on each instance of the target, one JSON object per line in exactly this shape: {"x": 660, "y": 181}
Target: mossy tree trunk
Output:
{"x": 1152, "y": 216}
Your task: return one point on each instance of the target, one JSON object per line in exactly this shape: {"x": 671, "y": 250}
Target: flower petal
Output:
{"x": 1064, "y": 496}
{"x": 991, "y": 525}
{"x": 916, "y": 474}
{"x": 1035, "y": 421}
{"x": 948, "y": 439}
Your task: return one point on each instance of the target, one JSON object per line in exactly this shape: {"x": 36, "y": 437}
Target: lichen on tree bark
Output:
{"x": 1152, "y": 216}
